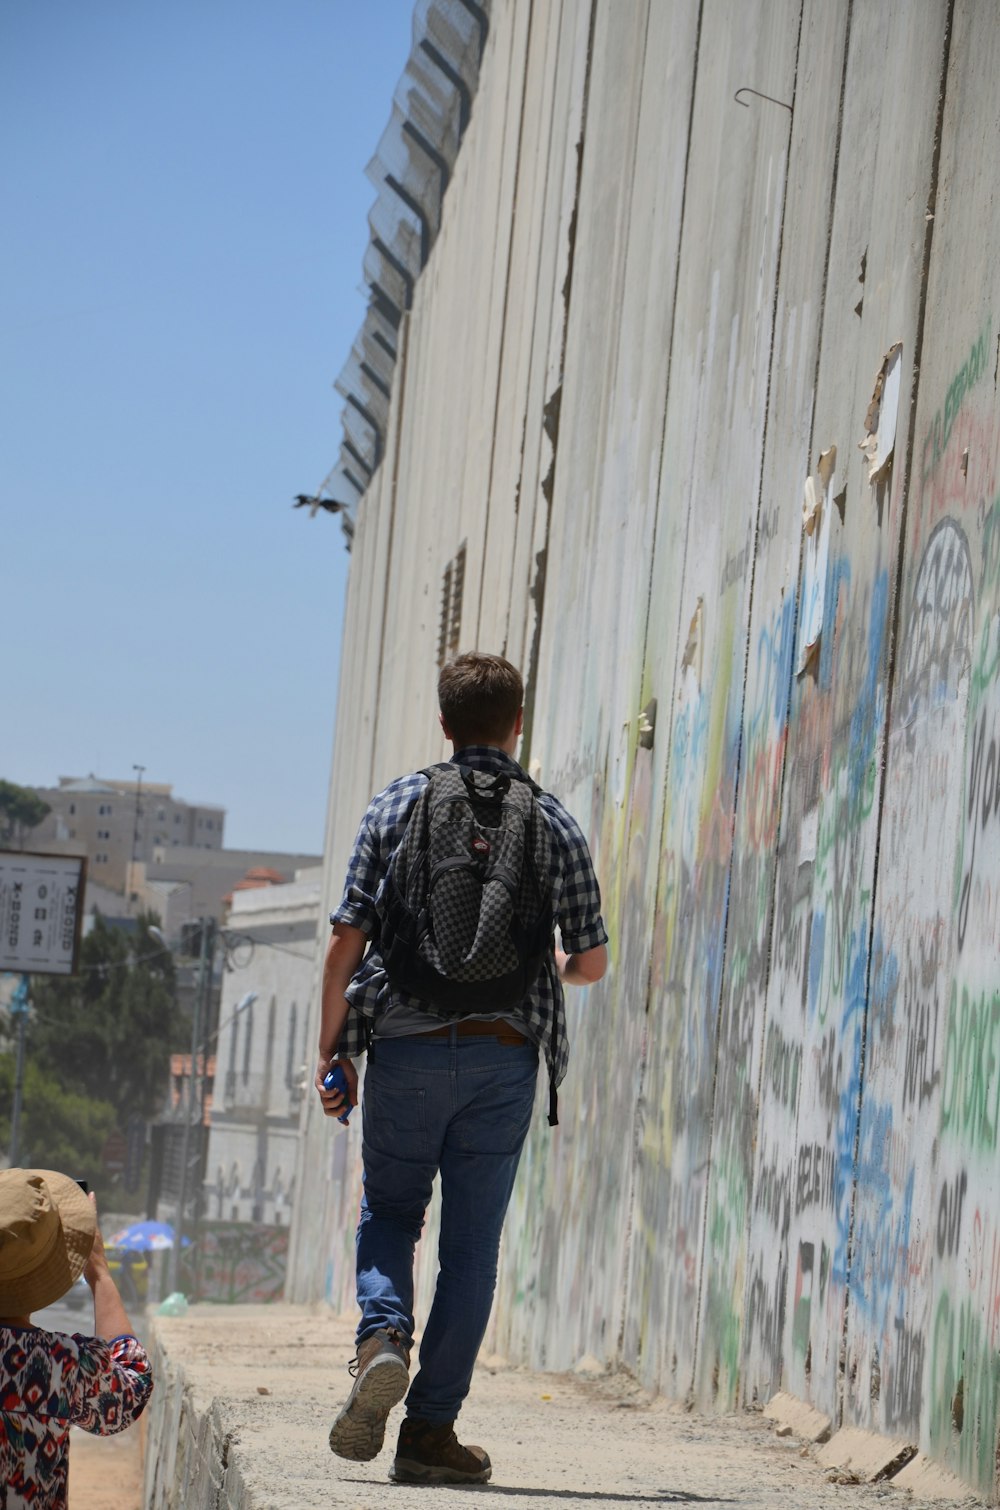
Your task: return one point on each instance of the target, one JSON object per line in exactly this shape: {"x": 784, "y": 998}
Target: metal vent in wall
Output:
{"x": 452, "y": 593}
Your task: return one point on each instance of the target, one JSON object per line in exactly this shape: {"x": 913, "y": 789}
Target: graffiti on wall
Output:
{"x": 240, "y": 1262}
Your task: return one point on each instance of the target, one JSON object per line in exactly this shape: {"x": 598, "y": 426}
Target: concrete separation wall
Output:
{"x": 696, "y": 418}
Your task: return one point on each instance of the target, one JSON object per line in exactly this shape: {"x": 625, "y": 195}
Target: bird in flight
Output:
{"x": 313, "y": 504}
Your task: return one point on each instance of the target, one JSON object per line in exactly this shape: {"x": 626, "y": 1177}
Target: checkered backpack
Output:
{"x": 466, "y": 909}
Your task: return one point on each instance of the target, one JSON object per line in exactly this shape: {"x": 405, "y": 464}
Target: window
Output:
{"x": 209, "y": 823}
{"x": 104, "y": 811}
{"x": 160, "y": 815}
{"x": 72, "y": 809}
{"x": 452, "y": 594}
{"x": 177, "y": 817}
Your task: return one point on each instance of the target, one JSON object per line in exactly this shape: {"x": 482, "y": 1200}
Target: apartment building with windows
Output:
{"x": 118, "y": 823}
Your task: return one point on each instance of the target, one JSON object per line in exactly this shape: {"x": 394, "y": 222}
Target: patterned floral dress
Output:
{"x": 48, "y": 1382}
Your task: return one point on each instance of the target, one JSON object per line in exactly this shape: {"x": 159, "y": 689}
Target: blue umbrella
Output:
{"x": 144, "y": 1237}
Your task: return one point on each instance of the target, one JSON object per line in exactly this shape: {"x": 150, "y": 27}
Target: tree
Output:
{"x": 59, "y": 1129}
{"x": 98, "y": 1053}
{"x": 108, "y": 1032}
{"x": 21, "y": 810}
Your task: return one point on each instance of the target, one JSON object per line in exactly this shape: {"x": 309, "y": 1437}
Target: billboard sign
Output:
{"x": 41, "y": 910}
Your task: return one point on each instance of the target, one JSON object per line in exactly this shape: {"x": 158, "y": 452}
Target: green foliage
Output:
{"x": 98, "y": 1052}
{"x": 60, "y": 1129}
{"x": 21, "y": 810}
{"x": 108, "y": 1032}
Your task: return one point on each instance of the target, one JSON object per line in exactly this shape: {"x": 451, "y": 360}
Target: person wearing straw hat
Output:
{"x": 51, "y": 1380}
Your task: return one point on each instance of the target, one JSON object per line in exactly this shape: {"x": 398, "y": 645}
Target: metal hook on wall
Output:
{"x": 769, "y": 97}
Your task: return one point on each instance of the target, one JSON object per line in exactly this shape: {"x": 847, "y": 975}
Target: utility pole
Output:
{"x": 135, "y": 834}
{"x": 193, "y": 1100}
{"x": 18, "y": 1008}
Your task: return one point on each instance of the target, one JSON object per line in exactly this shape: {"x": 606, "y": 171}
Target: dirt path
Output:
{"x": 105, "y": 1473}
{"x": 274, "y": 1378}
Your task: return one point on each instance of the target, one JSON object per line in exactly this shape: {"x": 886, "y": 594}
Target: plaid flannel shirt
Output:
{"x": 576, "y": 907}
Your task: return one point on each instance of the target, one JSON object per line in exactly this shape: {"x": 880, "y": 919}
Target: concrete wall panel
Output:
{"x": 497, "y": 593}
{"x": 824, "y": 949}
{"x": 581, "y": 1289}
{"x": 737, "y": 1296}
{"x": 709, "y": 495}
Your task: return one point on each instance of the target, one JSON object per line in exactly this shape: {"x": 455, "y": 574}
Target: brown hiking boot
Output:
{"x": 381, "y": 1378}
{"x": 430, "y": 1453}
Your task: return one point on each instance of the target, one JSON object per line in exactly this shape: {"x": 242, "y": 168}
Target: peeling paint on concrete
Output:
{"x": 880, "y": 417}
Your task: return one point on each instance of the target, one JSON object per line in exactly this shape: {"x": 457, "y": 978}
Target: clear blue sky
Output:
{"x": 184, "y": 218}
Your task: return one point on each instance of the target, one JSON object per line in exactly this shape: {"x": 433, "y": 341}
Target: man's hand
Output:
{"x": 333, "y": 1101}
{"x": 343, "y": 955}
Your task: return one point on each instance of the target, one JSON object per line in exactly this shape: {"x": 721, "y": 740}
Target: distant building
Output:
{"x": 116, "y": 823}
{"x": 238, "y": 1124}
{"x": 183, "y": 884}
{"x": 148, "y": 851}
{"x": 264, "y": 1054}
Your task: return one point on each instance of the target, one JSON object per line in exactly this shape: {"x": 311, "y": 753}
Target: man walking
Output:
{"x": 449, "y": 1088}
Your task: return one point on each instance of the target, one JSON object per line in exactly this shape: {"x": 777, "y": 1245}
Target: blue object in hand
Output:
{"x": 336, "y": 1080}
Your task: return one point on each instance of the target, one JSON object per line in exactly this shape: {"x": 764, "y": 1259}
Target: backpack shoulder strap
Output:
{"x": 446, "y": 767}
{"x": 525, "y": 780}
{"x": 517, "y": 774}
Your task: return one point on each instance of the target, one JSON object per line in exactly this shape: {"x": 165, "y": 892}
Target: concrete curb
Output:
{"x": 853, "y": 1456}
{"x": 928, "y": 1479}
{"x": 798, "y": 1418}
{"x": 188, "y": 1461}
{"x": 865, "y": 1455}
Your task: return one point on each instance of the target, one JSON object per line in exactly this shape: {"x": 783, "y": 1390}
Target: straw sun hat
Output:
{"x": 47, "y": 1228}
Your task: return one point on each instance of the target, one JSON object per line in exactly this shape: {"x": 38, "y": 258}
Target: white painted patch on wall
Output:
{"x": 880, "y": 418}
{"x": 816, "y": 511}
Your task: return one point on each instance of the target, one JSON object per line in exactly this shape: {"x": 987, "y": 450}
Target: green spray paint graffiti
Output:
{"x": 965, "y": 1385}
{"x": 970, "y": 1080}
{"x": 936, "y": 437}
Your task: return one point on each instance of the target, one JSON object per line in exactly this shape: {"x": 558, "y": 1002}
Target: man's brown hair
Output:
{"x": 480, "y": 697}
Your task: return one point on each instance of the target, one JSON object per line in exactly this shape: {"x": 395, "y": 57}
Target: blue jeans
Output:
{"x": 461, "y": 1106}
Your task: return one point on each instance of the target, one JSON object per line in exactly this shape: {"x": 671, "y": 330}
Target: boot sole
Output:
{"x": 359, "y": 1431}
{"x": 409, "y": 1471}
